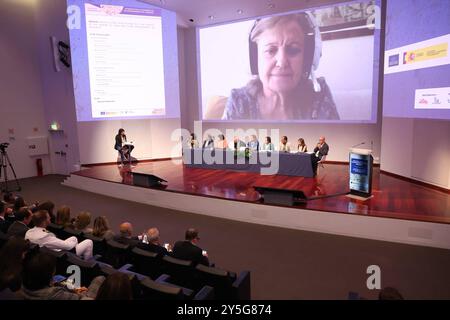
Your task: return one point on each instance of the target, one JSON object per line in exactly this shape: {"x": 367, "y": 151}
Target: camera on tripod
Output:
{"x": 3, "y": 146}
{"x": 4, "y": 164}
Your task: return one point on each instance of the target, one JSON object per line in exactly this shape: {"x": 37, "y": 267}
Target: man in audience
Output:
{"x": 189, "y": 250}
{"x": 125, "y": 235}
{"x": 39, "y": 269}
{"x": 153, "y": 244}
{"x": 3, "y": 223}
{"x": 40, "y": 236}
{"x": 20, "y": 226}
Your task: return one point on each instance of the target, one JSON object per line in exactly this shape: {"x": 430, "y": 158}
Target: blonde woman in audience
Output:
{"x": 63, "y": 217}
{"x": 102, "y": 229}
{"x": 82, "y": 222}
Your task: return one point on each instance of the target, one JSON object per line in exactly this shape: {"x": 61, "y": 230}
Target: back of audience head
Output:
{"x": 153, "y": 235}
{"x": 2, "y": 208}
{"x": 83, "y": 220}
{"x": 116, "y": 286}
{"x": 8, "y": 197}
{"x": 126, "y": 229}
{"x": 18, "y": 203}
{"x": 48, "y": 206}
{"x": 38, "y": 270}
{"x": 389, "y": 293}
{"x": 24, "y": 215}
{"x": 101, "y": 225}
{"x": 11, "y": 257}
{"x": 191, "y": 235}
{"x": 63, "y": 216}
{"x": 41, "y": 219}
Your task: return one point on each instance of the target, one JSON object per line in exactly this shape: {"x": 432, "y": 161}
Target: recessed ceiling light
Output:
{"x": 240, "y": 11}
{"x": 271, "y": 5}
{"x": 211, "y": 17}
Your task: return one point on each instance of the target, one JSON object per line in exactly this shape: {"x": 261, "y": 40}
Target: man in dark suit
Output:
{"x": 189, "y": 250}
{"x": 20, "y": 226}
{"x": 321, "y": 149}
{"x": 152, "y": 244}
{"x": 125, "y": 236}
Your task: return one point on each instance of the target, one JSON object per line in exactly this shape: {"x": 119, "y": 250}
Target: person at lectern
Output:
{"x": 321, "y": 149}
{"x": 122, "y": 146}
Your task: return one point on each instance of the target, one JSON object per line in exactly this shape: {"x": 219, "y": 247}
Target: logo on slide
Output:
{"x": 394, "y": 60}
{"x": 423, "y": 101}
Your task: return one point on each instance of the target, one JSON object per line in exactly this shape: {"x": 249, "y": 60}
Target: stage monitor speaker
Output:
{"x": 284, "y": 197}
{"x": 143, "y": 179}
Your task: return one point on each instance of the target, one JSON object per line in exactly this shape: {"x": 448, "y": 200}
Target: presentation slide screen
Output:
{"x": 361, "y": 173}
{"x": 123, "y": 61}
{"x": 307, "y": 66}
{"x": 417, "y": 60}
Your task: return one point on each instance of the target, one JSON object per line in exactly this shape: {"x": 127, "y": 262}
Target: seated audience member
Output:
{"x": 101, "y": 228}
{"x": 40, "y": 236}
{"x": 19, "y": 227}
{"x": 4, "y": 225}
{"x": 9, "y": 198}
{"x": 47, "y": 206}
{"x": 153, "y": 244}
{"x": 301, "y": 146}
{"x": 268, "y": 145}
{"x": 253, "y": 144}
{"x": 63, "y": 217}
{"x": 208, "y": 143}
{"x": 222, "y": 143}
{"x": 125, "y": 235}
{"x": 321, "y": 149}
{"x": 284, "y": 145}
{"x": 38, "y": 271}
{"x": 82, "y": 222}
{"x": 11, "y": 257}
{"x": 117, "y": 286}
{"x": 19, "y": 203}
{"x": 189, "y": 250}
{"x": 389, "y": 293}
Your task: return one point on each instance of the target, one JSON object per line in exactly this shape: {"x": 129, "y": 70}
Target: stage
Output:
{"x": 399, "y": 211}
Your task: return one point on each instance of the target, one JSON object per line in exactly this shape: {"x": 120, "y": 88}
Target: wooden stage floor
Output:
{"x": 393, "y": 197}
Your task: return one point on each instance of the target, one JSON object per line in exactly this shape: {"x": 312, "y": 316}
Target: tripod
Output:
{"x": 4, "y": 163}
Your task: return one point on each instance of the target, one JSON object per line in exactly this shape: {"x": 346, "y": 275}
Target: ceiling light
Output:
{"x": 211, "y": 17}
{"x": 270, "y": 5}
{"x": 240, "y": 11}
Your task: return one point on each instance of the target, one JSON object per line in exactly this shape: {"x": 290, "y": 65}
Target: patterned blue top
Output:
{"x": 243, "y": 104}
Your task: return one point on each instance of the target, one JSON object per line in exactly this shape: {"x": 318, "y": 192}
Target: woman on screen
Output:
{"x": 284, "y": 53}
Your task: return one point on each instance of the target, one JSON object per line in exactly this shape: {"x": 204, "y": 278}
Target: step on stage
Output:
{"x": 399, "y": 211}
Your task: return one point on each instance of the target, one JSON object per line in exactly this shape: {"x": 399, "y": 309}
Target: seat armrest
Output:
{"x": 205, "y": 293}
{"x": 242, "y": 286}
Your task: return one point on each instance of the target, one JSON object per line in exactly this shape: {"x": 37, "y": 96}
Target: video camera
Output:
{"x": 3, "y": 146}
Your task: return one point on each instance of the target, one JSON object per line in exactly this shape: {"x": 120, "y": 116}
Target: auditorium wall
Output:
{"x": 417, "y": 149}
{"x": 22, "y": 104}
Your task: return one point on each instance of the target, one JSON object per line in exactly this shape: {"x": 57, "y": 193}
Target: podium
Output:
{"x": 360, "y": 169}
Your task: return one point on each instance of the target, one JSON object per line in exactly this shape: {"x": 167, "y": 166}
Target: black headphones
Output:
{"x": 308, "y": 51}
